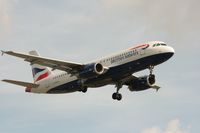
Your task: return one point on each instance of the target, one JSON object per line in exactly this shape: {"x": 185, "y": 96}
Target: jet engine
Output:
{"x": 92, "y": 70}
{"x": 142, "y": 83}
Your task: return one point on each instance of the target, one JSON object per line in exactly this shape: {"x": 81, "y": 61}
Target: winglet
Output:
{"x": 156, "y": 87}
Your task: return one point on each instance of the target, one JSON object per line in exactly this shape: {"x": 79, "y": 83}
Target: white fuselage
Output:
{"x": 134, "y": 54}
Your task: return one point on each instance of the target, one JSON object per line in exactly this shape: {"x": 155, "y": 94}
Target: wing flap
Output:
{"x": 21, "y": 83}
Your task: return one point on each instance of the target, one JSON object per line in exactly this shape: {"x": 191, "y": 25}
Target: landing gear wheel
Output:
{"x": 84, "y": 90}
{"x": 114, "y": 96}
{"x": 117, "y": 96}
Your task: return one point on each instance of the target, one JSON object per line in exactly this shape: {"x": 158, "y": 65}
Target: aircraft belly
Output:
{"x": 69, "y": 87}
{"x": 98, "y": 82}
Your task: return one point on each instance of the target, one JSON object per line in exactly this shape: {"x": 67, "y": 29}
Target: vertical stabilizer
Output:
{"x": 39, "y": 72}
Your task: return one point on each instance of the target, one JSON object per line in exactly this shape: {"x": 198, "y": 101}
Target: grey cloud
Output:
{"x": 172, "y": 127}
{"x": 5, "y": 18}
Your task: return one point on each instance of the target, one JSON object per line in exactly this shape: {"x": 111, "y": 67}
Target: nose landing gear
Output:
{"x": 151, "y": 70}
{"x": 151, "y": 75}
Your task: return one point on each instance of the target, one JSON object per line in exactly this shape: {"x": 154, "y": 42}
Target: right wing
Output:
{"x": 20, "y": 83}
{"x": 127, "y": 79}
{"x": 70, "y": 67}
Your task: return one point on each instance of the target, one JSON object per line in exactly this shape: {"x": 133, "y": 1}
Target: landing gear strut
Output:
{"x": 117, "y": 95}
{"x": 151, "y": 69}
{"x": 151, "y": 75}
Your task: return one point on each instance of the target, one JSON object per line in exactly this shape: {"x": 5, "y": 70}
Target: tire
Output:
{"x": 119, "y": 97}
{"x": 84, "y": 90}
{"x": 114, "y": 96}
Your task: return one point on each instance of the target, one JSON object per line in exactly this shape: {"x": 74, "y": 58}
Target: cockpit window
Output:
{"x": 159, "y": 44}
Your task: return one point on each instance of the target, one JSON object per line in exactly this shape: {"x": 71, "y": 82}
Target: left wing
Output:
{"x": 67, "y": 66}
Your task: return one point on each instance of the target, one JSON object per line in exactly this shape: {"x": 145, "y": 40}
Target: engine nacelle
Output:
{"x": 142, "y": 83}
{"x": 92, "y": 70}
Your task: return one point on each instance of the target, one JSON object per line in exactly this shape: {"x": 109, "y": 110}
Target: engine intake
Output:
{"x": 92, "y": 70}
{"x": 142, "y": 83}
{"x": 99, "y": 68}
{"x": 151, "y": 79}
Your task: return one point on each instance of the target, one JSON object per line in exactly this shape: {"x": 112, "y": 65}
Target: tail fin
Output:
{"x": 39, "y": 72}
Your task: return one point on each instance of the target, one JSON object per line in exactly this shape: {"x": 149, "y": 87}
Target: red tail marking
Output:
{"x": 42, "y": 76}
{"x": 140, "y": 46}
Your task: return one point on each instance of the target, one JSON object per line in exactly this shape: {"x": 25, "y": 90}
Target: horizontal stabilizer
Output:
{"x": 20, "y": 83}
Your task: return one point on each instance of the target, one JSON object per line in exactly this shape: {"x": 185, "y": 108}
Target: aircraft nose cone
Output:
{"x": 170, "y": 52}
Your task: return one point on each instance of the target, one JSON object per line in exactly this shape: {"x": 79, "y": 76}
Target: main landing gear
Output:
{"x": 84, "y": 90}
{"x": 117, "y": 95}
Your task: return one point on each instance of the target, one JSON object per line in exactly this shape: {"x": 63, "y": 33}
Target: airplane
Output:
{"x": 52, "y": 76}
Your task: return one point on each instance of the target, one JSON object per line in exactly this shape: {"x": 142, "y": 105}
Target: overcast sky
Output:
{"x": 83, "y": 30}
